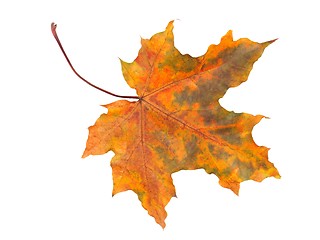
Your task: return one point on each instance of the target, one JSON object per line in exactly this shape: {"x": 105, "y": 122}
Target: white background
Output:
{"x": 48, "y": 192}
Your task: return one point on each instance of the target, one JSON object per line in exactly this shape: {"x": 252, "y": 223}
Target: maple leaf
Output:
{"x": 177, "y": 123}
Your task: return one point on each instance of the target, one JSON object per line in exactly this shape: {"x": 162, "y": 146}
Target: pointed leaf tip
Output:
{"x": 170, "y": 26}
{"x": 265, "y": 44}
{"x": 228, "y": 36}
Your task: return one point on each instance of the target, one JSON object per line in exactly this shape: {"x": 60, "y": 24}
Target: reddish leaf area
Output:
{"x": 178, "y": 124}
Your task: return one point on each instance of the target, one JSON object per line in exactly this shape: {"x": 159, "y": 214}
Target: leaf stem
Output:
{"x": 53, "y": 29}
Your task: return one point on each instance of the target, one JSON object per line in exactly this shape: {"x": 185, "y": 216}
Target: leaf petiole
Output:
{"x": 53, "y": 29}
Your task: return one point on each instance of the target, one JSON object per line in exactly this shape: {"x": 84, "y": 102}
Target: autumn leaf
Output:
{"x": 176, "y": 122}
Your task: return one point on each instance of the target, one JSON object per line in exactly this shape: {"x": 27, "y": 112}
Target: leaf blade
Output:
{"x": 178, "y": 123}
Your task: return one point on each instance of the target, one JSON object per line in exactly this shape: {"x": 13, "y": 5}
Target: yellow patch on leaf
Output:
{"x": 178, "y": 123}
